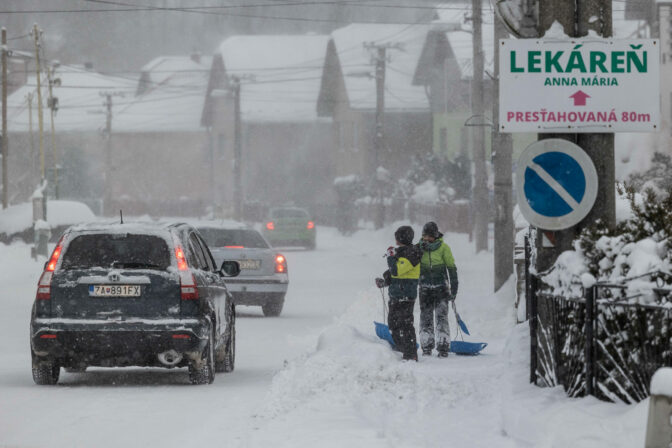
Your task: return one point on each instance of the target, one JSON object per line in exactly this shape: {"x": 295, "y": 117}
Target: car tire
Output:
{"x": 45, "y": 373}
{"x": 274, "y": 307}
{"x": 312, "y": 245}
{"x": 226, "y": 360}
{"x": 205, "y": 374}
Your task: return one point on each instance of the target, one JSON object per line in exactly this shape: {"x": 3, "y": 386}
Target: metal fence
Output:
{"x": 603, "y": 343}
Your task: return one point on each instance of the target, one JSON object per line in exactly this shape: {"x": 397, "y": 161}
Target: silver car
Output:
{"x": 263, "y": 277}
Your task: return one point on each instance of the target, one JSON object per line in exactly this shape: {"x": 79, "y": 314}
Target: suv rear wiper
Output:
{"x": 136, "y": 265}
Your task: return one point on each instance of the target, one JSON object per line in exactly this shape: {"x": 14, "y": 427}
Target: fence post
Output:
{"x": 528, "y": 255}
{"x": 532, "y": 301}
{"x": 589, "y": 367}
{"x": 659, "y": 425}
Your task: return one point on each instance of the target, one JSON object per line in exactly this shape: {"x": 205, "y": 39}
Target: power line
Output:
{"x": 209, "y": 10}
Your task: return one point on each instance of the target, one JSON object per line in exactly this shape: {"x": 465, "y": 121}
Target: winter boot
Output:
{"x": 426, "y": 352}
{"x": 410, "y": 357}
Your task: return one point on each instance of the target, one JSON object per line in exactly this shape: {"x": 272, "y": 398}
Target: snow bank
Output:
{"x": 546, "y": 417}
{"x": 18, "y": 218}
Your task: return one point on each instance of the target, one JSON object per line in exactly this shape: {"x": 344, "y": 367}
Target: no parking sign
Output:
{"x": 556, "y": 183}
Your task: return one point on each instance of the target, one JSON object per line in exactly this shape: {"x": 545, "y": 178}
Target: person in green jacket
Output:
{"x": 438, "y": 287}
{"x": 402, "y": 278}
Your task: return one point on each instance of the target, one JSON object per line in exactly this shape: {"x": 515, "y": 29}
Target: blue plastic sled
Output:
{"x": 383, "y": 332}
{"x": 467, "y": 348}
{"x": 457, "y": 347}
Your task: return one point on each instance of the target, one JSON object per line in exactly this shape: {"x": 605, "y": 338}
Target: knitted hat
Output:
{"x": 404, "y": 235}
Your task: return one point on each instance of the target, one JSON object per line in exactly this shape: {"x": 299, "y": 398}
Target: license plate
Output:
{"x": 114, "y": 290}
{"x": 249, "y": 264}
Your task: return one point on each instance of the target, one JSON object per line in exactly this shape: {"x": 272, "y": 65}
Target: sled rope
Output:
{"x": 382, "y": 297}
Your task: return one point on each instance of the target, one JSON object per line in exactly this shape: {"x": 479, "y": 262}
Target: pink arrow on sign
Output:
{"x": 580, "y": 98}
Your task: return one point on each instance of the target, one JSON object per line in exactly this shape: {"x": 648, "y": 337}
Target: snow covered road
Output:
{"x": 316, "y": 376}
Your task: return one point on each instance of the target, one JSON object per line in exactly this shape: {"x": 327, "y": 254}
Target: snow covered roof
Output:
{"x": 456, "y": 13}
{"x": 460, "y": 41}
{"x": 280, "y": 75}
{"x": 171, "y": 94}
{"x": 81, "y": 106}
{"x": 357, "y": 65}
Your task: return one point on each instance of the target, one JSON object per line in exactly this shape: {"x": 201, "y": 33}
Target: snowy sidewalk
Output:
{"x": 353, "y": 390}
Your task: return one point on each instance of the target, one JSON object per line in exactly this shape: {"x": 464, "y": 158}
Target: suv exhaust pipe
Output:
{"x": 170, "y": 358}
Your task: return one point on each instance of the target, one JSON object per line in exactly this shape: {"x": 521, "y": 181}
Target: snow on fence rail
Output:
{"x": 451, "y": 217}
{"x": 603, "y": 344}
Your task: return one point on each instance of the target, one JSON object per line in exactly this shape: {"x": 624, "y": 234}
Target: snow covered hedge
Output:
{"x": 639, "y": 245}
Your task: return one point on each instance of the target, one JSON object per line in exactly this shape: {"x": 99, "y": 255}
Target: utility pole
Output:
{"x": 52, "y": 103}
{"x": 575, "y": 17}
{"x": 381, "y": 56}
{"x": 502, "y": 152}
{"x": 380, "y": 59}
{"x": 480, "y": 204}
{"x": 36, "y": 35}
{"x": 237, "y": 150}
{"x": 29, "y": 100}
{"x": 5, "y": 140}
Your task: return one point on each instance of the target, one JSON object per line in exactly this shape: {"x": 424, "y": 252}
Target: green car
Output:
{"x": 289, "y": 226}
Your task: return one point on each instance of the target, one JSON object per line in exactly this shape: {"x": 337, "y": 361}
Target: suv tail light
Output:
{"x": 311, "y": 225}
{"x": 270, "y": 225}
{"x": 44, "y": 285}
{"x": 280, "y": 264}
{"x": 188, "y": 288}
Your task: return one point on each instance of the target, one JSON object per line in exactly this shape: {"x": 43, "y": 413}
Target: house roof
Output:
{"x": 357, "y": 65}
{"x": 280, "y": 75}
{"x": 170, "y": 97}
{"x": 81, "y": 107}
{"x": 455, "y": 15}
{"x": 461, "y": 40}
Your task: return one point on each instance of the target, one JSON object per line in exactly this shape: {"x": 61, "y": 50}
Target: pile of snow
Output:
{"x": 426, "y": 193}
{"x": 661, "y": 383}
{"x": 17, "y": 218}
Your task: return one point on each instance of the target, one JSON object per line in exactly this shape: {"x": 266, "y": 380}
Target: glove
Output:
{"x": 390, "y": 251}
{"x": 380, "y": 282}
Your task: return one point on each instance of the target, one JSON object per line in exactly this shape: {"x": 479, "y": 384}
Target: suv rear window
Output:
{"x": 125, "y": 251}
{"x": 289, "y": 213}
{"x": 233, "y": 237}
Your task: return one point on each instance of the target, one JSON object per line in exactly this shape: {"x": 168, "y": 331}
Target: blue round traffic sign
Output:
{"x": 557, "y": 184}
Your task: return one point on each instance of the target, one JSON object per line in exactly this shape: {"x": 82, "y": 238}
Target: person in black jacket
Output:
{"x": 403, "y": 274}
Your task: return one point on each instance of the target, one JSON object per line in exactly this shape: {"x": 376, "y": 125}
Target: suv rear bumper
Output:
{"x": 117, "y": 343}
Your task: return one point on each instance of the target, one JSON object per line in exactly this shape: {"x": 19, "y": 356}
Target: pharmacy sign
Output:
{"x": 579, "y": 85}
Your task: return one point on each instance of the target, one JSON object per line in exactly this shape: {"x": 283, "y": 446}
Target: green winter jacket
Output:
{"x": 437, "y": 265}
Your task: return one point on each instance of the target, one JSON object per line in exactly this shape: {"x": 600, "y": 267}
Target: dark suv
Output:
{"x": 133, "y": 295}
